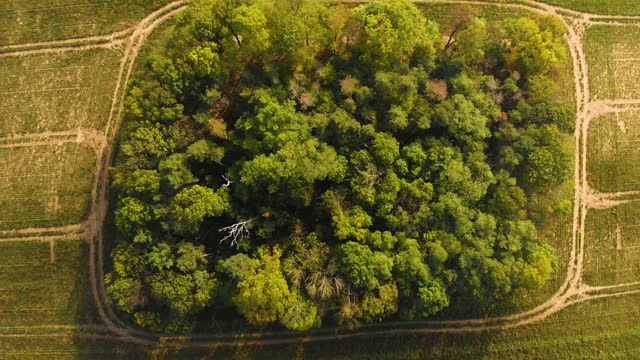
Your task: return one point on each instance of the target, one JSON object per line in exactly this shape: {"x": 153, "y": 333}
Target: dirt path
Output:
{"x": 56, "y": 43}
{"x": 570, "y": 292}
{"x": 94, "y": 138}
{"x": 115, "y": 44}
{"x": 43, "y": 238}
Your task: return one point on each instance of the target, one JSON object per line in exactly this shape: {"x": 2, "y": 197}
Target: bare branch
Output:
{"x": 237, "y": 232}
{"x": 371, "y": 174}
{"x": 229, "y": 182}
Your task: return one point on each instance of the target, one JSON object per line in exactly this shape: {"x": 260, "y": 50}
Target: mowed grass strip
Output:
{"x": 57, "y": 91}
{"x": 26, "y": 21}
{"x": 614, "y": 152}
{"x": 46, "y": 185}
{"x": 606, "y": 7}
{"x": 613, "y": 57}
{"x": 34, "y": 291}
{"x": 612, "y": 245}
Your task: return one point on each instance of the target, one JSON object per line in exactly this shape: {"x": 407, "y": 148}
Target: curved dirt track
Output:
{"x": 570, "y": 292}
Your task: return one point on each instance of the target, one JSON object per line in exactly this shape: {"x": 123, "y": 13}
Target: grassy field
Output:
{"x": 612, "y": 248}
{"x": 57, "y": 91}
{"x": 614, "y": 153}
{"x": 599, "y": 329}
{"x": 36, "y": 291}
{"x": 613, "y": 56}
{"x": 447, "y": 14}
{"x": 46, "y": 185}
{"x": 606, "y": 7}
{"x": 36, "y": 20}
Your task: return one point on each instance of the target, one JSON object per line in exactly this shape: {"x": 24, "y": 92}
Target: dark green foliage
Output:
{"x": 359, "y": 168}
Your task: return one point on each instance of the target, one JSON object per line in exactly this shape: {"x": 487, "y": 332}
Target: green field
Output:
{"x": 47, "y": 185}
{"x": 612, "y": 248}
{"x": 35, "y": 20}
{"x": 57, "y": 91}
{"x": 614, "y": 154}
{"x": 613, "y": 56}
{"x": 36, "y": 291}
{"x": 606, "y": 7}
{"x": 598, "y": 329}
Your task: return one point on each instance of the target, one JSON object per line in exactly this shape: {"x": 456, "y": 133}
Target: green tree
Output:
{"x": 131, "y": 215}
{"x": 263, "y": 296}
{"x": 175, "y": 171}
{"x": 546, "y": 166}
{"x": 293, "y": 166}
{"x": 193, "y": 204}
{"x": 395, "y": 31}
{"x": 530, "y": 48}
{"x": 365, "y": 269}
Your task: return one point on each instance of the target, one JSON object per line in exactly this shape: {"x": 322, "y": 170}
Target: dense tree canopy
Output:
{"x": 308, "y": 164}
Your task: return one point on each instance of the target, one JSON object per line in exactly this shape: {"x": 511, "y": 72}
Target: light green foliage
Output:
{"x": 366, "y": 269}
{"x": 539, "y": 266}
{"x": 383, "y": 241}
{"x": 146, "y": 145}
{"x": 154, "y": 99}
{"x": 131, "y": 215}
{"x": 193, "y": 204}
{"x": 271, "y": 125}
{"x": 533, "y": 47}
{"x": 247, "y": 24}
{"x": 184, "y": 293}
{"x": 161, "y": 256}
{"x": 380, "y": 303}
{"x": 546, "y": 166}
{"x": 471, "y": 42}
{"x": 263, "y": 295}
{"x": 188, "y": 256}
{"x": 385, "y": 149}
{"x": 433, "y": 298}
{"x": 139, "y": 182}
{"x": 175, "y": 171}
{"x": 392, "y": 31}
{"x": 204, "y": 150}
{"x": 465, "y": 121}
{"x": 122, "y": 285}
{"x": 295, "y": 165}
{"x": 239, "y": 266}
{"x": 301, "y": 315}
{"x": 205, "y": 59}
{"x": 348, "y": 223}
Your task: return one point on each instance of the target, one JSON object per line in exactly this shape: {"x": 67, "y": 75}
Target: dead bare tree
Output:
{"x": 238, "y": 231}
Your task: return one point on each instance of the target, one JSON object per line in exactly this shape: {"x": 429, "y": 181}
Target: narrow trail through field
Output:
{"x": 94, "y": 138}
{"x": 74, "y": 41}
{"x": 572, "y": 291}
